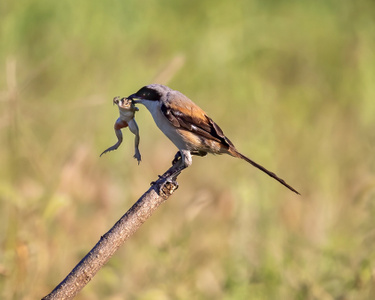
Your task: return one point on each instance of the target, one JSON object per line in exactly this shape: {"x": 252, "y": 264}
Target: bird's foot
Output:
{"x": 176, "y": 158}
{"x": 153, "y": 182}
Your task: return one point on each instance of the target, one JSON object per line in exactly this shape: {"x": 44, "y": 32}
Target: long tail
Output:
{"x": 235, "y": 153}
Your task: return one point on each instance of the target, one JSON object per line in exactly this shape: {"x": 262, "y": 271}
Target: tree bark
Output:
{"x": 108, "y": 244}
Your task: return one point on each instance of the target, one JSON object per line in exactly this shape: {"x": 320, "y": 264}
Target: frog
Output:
{"x": 127, "y": 111}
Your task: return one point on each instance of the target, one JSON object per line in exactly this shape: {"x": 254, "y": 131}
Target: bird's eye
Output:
{"x": 148, "y": 94}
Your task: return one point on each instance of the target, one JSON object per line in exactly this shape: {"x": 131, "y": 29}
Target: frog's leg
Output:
{"x": 118, "y": 125}
{"x": 134, "y": 129}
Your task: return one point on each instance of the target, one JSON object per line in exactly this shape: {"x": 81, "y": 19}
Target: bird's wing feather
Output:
{"x": 192, "y": 118}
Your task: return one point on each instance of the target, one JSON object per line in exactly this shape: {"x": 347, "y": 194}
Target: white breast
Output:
{"x": 164, "y": 125}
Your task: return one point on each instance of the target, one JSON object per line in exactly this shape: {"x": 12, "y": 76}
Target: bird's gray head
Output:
{"x": 151, "y": 92}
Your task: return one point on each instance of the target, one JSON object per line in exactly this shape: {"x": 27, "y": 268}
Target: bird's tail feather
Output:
{"x": 235, "y": 153}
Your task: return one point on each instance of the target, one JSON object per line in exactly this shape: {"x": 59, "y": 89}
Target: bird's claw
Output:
{"x": 177, "y": 157}
{"x": 153, "y": 182}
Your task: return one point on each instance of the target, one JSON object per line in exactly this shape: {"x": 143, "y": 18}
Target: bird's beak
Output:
{"x": 134, "y": 98}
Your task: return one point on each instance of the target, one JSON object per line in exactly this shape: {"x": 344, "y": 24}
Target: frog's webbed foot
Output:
{"x": 114, "y": 147}
{"x": 137, "y": 156}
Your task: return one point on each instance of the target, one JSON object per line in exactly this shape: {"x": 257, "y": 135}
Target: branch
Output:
{"x": 115, "y": 237}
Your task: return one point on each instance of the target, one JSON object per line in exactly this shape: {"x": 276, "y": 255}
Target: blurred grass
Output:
{"x": 290, "y": 82}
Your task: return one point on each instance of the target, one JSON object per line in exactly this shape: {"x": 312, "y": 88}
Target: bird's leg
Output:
{"x": 184, "y": 160}
{"x": 170, "y": 171}
{"x": 134, "y": 129}
{"x": 177, "y": 157}
{"x": 118, "y": 125}
{"x": 197, "y": 153}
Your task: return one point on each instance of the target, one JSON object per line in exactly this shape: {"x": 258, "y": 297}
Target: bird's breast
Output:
{"x": 173, "y": 133}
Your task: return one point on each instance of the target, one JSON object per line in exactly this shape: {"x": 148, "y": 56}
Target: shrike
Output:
{"x": 189, "y": 127}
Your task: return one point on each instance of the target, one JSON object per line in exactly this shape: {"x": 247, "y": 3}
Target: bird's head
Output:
{"x": 151, "y": 92}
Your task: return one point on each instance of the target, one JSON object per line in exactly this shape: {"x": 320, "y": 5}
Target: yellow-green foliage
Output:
{"x": 292, "y": 84}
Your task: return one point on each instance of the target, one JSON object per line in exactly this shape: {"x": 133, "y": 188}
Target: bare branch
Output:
{"x": 115, "y": 237}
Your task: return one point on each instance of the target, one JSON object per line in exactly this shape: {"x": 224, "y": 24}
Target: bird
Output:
{"x": 189, "y": 128}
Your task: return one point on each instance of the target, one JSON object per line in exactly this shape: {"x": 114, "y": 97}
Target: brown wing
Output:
{"x": 191, "y": 118}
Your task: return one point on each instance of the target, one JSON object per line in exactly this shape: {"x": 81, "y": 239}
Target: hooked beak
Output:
{"x": 135, "y": 99}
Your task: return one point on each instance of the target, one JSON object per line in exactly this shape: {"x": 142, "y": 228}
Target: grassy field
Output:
{"x": 291, "y": 83}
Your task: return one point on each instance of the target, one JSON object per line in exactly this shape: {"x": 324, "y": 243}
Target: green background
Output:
{"x": 291, "y": 83}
